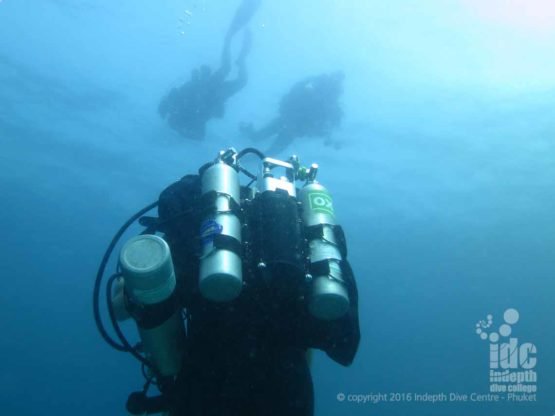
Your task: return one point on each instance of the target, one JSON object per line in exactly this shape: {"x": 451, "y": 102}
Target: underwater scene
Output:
{"x": 263, "y": 208}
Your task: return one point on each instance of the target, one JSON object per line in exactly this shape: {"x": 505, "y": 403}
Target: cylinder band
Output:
{"x": 317, "y": 231}
{"x": 152, "y": 315}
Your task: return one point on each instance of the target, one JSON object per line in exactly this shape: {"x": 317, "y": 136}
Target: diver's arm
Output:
{"x": 230, "y": 88}
{"x": 338, "y": 338}
{"x": 346, "y": 330}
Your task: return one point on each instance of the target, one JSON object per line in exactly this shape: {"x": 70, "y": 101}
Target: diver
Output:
{"x": 310, "y": 108}
{"x": 189, "y": 107}
{"x": 261, "y": 276}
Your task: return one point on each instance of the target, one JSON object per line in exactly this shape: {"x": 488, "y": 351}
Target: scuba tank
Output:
{"x": 328, "y": 297}
{"x": 149, "y": 285}
{"x": 220, "y": 277}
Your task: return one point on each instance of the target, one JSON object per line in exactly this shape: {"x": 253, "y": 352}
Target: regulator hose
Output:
{"x": 251, "y": 150}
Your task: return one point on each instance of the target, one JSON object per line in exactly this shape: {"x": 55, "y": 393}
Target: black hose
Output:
{"x": 148, "y": 379}
{"x": 147, "y": 384}
{"x": 100, "y": 274}
{"x": 250, "y": 183}
{"x": 246, "y": 172}
{"x": 250, "y": 150}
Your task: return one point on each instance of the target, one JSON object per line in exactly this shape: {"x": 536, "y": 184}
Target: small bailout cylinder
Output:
{"x": 328, "y": 297}
{"x": 149, "y": 284}
{"x": 220, "y": 278}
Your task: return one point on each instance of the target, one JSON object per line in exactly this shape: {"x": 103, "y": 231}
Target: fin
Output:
{"x": 242, "y": 17}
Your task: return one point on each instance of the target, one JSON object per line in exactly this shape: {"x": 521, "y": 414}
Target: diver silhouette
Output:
{"x": 310, "y": 108}
{"x": 188, "y": 108}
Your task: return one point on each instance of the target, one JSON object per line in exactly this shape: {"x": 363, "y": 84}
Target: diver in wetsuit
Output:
{"x": 310, "y": 108}
{"x": 261, "y": 274}
{"x": 248, "y": 356}
{"x": 189, "y": 107}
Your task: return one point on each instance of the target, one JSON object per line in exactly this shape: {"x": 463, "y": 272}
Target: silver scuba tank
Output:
{"x": 149, "y": 284}
{"x": 220, "y": 277}
{"x": 328, "y": 296}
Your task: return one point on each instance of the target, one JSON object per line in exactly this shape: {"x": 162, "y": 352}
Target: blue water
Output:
{"x": 443, "y": 179}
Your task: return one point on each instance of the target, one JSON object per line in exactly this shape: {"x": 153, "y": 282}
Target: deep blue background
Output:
{"x": 443, "y": 178}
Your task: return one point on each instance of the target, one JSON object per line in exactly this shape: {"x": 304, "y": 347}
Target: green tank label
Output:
{"x": 321, "y": 202}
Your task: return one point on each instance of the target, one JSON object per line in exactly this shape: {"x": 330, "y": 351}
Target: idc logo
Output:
{"x": 511, "y": 363}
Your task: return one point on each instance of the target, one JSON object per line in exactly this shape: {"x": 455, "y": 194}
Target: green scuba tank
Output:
{"x": 328, "y": 298}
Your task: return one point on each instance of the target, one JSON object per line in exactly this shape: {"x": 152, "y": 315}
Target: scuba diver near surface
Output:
{"x": 310, "y": 108}
{"x": 189, "y": 107}
{"x": 230, "y": 286}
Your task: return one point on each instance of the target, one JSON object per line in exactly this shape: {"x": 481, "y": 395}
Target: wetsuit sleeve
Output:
{"x": 339, "y": 338}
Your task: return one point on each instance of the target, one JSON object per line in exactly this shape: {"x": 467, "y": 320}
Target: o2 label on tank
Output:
{"x": 208, "y": 230}
{"x": 321, "y": 202}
